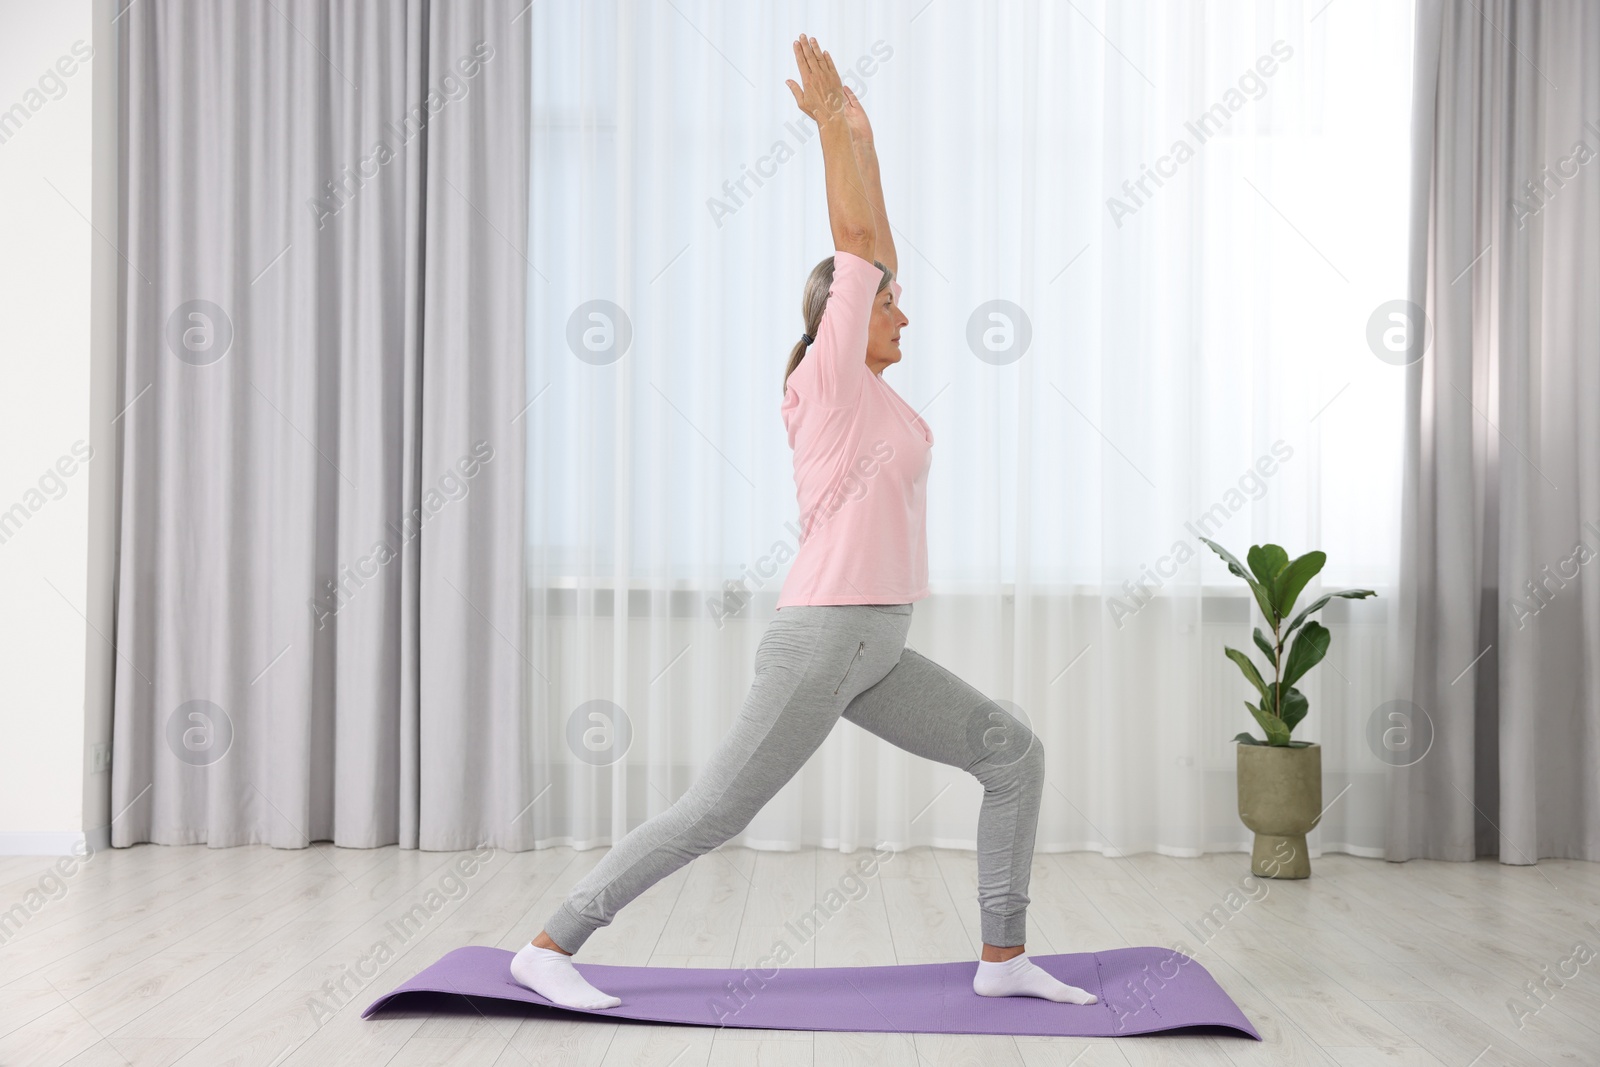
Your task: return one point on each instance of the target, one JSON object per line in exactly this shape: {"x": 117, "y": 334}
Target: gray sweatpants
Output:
{"x": 814, "y": 664}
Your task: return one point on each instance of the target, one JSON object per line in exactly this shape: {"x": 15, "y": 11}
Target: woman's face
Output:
{"x": 883, "y": 331}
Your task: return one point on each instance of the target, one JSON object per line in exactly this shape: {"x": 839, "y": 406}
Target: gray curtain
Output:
{"x": 1500, "y": 600}
{"x": 319, "y": 578}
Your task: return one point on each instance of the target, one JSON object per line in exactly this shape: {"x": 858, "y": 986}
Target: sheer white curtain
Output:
{"x": 1192, "y": 216}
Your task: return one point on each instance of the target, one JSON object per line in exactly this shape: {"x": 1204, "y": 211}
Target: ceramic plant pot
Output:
{"x": 1280, "y": 798}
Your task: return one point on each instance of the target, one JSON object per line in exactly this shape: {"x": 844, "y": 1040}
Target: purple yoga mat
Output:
{"x": 1142, "y": 991}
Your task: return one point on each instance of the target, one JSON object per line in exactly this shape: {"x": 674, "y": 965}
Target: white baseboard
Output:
{"x": 50, "y": 842}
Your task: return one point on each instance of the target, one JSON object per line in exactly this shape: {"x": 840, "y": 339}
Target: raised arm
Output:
{"x": 867, "y": 165}
{"x": 821, "y": 95}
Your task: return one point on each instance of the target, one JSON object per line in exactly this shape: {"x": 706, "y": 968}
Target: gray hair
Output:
{"x": 813, "y": 303}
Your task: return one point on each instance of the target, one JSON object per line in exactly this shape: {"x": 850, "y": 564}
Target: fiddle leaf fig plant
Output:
{"x": 1277, "y": 582}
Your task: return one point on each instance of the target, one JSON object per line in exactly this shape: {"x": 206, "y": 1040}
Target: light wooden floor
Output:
{"x": 156, "y": 955}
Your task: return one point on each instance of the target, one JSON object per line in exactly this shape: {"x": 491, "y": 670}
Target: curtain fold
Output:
{"x": 319, "y": 589}
{"x": 1140, "y": 245}
{"x": 1501, "y": 619}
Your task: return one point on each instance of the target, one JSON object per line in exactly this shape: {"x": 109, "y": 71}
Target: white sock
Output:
{"x": 551, "y": 975}
{"x": 1021, "y": 977}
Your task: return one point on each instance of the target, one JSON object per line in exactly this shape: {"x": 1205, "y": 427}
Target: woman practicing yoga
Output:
{"x": 837, "y": 644}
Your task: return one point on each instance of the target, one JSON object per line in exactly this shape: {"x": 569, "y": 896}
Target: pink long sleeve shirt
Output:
{"x": 861, "y": 458}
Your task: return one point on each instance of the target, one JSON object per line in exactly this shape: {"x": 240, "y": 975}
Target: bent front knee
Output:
{"x": 1029, "y": 767}
{"x": 1020, "y": 758}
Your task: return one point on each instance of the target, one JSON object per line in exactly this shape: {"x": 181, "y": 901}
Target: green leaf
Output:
{"x": 1262, "y": 597}
{"x": 1294, "y": 578}
{"x": 1321, "y": 602}
{"x": 1247, "y": 739}
{"x": 1295, "y": 706}
{"x": 1249, "y": 668}
{"x": 1266, "y": 646}
{"x": 1266, "y": 561}
{"x": 1271, "y": 725}
{"x": 1310, "y": 645}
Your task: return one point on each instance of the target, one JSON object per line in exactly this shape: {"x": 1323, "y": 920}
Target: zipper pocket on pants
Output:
{"x": 848, "y": 669}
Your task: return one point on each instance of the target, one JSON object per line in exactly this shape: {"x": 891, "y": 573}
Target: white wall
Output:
{"x": 47, "y": 196}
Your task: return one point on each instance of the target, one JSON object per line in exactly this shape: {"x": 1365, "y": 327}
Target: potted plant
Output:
{"x": 1280, "y": 780}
